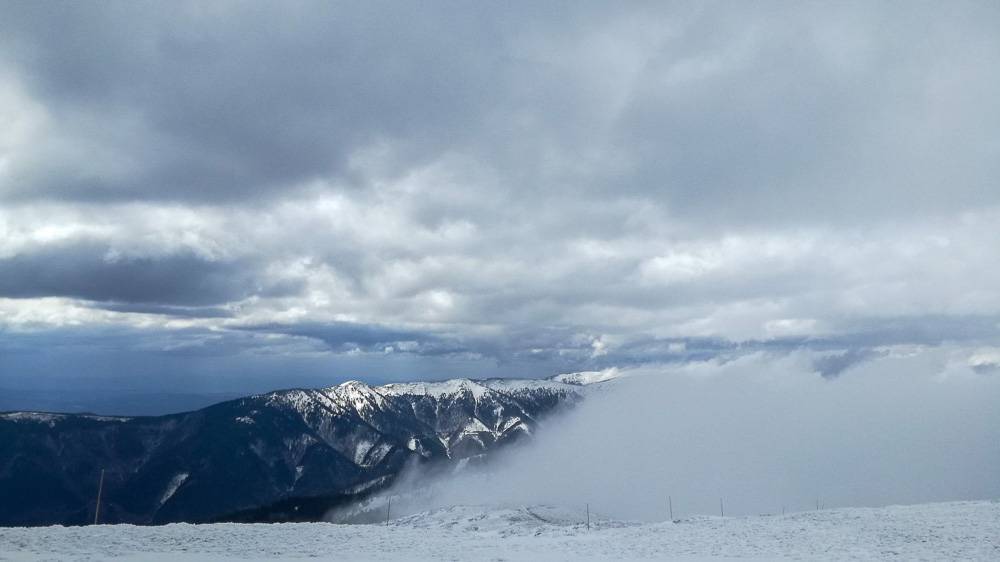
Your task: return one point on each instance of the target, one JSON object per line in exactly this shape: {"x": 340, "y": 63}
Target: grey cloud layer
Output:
{"x": 574, "y": 184}
{"x": 233, "y": 101}
{"x": 819, "y": 110}
{"x": 88, "y": 272}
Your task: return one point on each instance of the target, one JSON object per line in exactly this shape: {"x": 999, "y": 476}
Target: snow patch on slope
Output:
{"x": 172, "y": 487}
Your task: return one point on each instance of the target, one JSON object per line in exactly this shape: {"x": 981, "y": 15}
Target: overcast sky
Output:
{"x": 239, "y": 196}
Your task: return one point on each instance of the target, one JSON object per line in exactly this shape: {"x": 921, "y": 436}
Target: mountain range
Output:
{"x": 261, "y": 457}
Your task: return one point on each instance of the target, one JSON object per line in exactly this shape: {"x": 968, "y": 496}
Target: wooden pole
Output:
{"x": 388, "y": 506}
{"x": 588, "y": 516}
{"x": 722, "y": 512}
{"x": 100, "y": 489}
{"x": 670, "y": 500}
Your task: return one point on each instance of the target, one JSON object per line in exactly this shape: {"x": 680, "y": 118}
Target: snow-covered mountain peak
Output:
{"x": 359, "y": 395}
{"x": 353, "y": 383}
{"x": 353, "y": 389}
{"x": 269, "y": 448}
{"x": 438, "y": 389}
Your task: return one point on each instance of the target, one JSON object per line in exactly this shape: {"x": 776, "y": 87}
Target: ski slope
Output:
{"x": 943, "y": 531}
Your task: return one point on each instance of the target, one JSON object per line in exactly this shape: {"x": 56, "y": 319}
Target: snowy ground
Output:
{"x": 945, "y": 531}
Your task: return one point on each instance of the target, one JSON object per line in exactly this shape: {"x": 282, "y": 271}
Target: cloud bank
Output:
{"x": 763, "y": 434}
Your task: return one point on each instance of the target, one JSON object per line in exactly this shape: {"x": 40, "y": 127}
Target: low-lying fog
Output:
{"x": 761, "y": 433}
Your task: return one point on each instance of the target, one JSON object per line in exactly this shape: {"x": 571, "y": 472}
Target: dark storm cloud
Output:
{"x": 924, "y": 329}
{"x": 350, "y": 336}
{"x": 831, "y": 366}
{"x": 564, "y": 349}
{"x": 88, "y": 272}
{"x": 230, "y": 101}
{"x": 554, "y": 345}
{"x": 834, "y": 112}
{"x": 987, "y": 368}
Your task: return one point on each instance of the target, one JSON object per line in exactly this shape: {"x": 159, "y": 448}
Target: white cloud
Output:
{"x": 985, "y": 360}
{"x": 762, "y": 432}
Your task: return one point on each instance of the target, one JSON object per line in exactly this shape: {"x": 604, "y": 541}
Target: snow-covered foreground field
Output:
{"x": 957, "y": 531}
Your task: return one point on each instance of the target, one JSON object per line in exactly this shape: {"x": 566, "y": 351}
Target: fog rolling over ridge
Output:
{"x": 762, "y": 433}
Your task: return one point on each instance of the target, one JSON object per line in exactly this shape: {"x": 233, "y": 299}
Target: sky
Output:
{"x": 234, "y": 197}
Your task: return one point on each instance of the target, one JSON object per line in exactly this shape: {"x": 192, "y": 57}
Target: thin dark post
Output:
{"x": 100, "y": 488}
{"x": 670, "y": 500}
{"x": 782, "y": 510}
{"x": 722, "y": 512}
{"x": 388, "y": 506}
{"x": 817, "y": 504}
{"x": 588, "y": 516}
